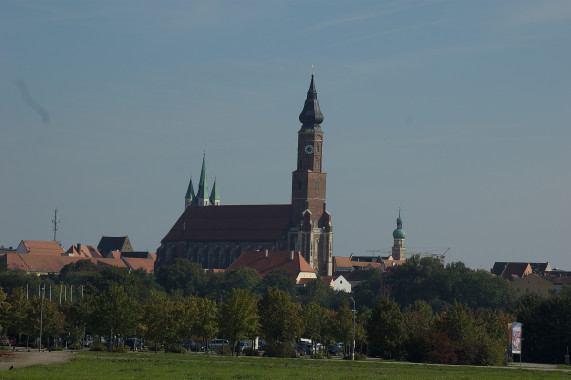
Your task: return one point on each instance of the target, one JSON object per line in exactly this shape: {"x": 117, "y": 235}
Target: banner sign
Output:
{"x": 516, "y": 338}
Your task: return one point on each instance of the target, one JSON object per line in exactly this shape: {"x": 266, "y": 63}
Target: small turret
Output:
{"x": 214, "y": 197}
{"x": 189, "y": 198}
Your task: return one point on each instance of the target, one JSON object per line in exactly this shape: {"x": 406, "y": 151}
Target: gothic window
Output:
{"x": 317, "y": 165}
{"x": 299, "y": 183}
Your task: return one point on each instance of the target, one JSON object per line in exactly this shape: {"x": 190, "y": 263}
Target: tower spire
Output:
{"x": 189, "y": 198}
{"x": 202, "y": 194}
{"x": 311, "y": 115}
{"x": 214, "y": 197}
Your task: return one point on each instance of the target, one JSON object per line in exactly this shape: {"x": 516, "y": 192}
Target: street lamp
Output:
{"x": 353, "y": 346}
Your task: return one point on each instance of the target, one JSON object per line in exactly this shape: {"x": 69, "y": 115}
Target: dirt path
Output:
{"x": 21, "y": 359}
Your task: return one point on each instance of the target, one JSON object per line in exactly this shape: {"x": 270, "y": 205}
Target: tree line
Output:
{"x": 439, "y": 314}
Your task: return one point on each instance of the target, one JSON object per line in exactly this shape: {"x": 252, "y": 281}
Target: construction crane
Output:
{"x": 438, "y": 256}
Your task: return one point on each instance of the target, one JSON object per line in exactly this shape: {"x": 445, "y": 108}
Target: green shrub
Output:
{"x": 225, "y": 350}
{"x": 249, "y": 351}
{"x": 98, "y": 347}
{"x": 75, "y": 346}
{"x": 55, "y": 348}
{"x": 119, "y": 349}
{"x": 176, "y": 349}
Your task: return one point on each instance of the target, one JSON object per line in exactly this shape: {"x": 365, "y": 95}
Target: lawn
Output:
{"x": 92, "y": 365}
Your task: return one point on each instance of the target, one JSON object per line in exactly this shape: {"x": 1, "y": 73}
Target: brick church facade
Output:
{"x": 215, "y": 235}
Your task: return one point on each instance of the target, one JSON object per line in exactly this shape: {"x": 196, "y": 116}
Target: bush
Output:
{"x": 176, "y": 349}
{"x": 119, "y": 349}
{"x": 98, "y": 347}
{"x": 318, "y": 355}
{"x": 358, "y": 356}
{"x": 280, "y": 350}
{"x": 225, "y": 350}
{"x": 249, "y": 351}
{"x": 75, "y": 346}
{"x": 55, "y": 348}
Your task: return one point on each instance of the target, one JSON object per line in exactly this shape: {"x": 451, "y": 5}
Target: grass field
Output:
{"x": 92, "y": 365}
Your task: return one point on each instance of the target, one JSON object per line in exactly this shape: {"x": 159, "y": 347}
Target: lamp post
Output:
{"x": 353, "y": 345}
{"x": 41, "y": 318}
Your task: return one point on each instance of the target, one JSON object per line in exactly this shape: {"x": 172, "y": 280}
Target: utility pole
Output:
{"x": 41, "y": 319}
{"x": 55, "y": 221}
{"x": 353, "y": 346}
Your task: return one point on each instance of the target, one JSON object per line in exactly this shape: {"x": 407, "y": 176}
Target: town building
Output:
{"x": 217, "y": 236}
{"x": 266, "y": 261}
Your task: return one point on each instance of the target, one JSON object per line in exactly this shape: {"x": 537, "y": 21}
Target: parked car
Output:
{"x": 217, "y": 344}
{"x": 194, "y": 345}
{"x": 333, "y": 349}
{"x": 134, "y": 343}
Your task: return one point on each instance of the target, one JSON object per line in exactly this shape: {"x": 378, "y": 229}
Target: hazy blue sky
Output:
{"x": 458, "y": 111}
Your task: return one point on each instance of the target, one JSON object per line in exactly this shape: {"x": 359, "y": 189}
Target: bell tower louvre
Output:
{"x": 311, "y": 231}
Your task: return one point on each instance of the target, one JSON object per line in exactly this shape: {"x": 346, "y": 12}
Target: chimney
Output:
{"x": 266, "y": 253}
{"x": 290, "y": 255}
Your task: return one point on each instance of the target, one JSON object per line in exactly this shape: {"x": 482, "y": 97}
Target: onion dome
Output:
{"x": 311, "y": 114}
{"x": 399, "y": 232}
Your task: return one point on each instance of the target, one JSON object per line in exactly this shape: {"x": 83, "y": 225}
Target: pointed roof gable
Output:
{"x": 114, "y": 243}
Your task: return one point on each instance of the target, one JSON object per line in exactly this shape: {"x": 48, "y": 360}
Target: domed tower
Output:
{"x": 399, "y": 251}
{"x": 311, "y": 232}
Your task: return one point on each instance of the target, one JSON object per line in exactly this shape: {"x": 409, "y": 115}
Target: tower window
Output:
{"x": 299, "y": 184}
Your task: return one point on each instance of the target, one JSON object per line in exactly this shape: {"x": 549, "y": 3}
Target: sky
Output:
{"x": 458, "y": 112}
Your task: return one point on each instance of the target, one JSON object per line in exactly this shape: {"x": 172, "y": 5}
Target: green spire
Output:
{"x": 214, "y": 197}
{"x": 399, "y": 232}
{"x": 190, "y": 191}
{"x": 202, "y": 185}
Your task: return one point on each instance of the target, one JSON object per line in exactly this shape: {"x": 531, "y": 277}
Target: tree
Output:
{"x": 182, "y": 275}
{"x": 546, "y": 326}
{"x": 281, "y": 279}
{"x": 281, "y": 321}
{"x": 243, "y": 278}
{"x": 207, "y": 323}
{"x": 314, "y": 322}
{"x": 238, "y": 318}
{"x": 387, "y": 333}
{"x": 343, "y": 326}
{"x": 115, "y": 313}
{"x": 366, "y": 292}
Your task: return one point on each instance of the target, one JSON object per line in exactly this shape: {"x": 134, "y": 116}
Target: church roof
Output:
{"x": 231, "y": 223}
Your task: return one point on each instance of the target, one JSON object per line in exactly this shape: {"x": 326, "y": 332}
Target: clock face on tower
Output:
{"x": 309, "y": 149}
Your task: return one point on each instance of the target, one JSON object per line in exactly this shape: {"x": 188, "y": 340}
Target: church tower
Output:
{"x": 189, "y": 198}
{"x": 311, "y": 231}
{"x": 399, "y": 251}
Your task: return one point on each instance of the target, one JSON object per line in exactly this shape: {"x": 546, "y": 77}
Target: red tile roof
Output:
{"x": 85, "y": 251}
{"x": 273, "y": 261}
{"x": 138, "y": 263}
{"x": 37, "y": 263}
{"x": 42, "y": 247}
{"x": 231, "y": 223}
